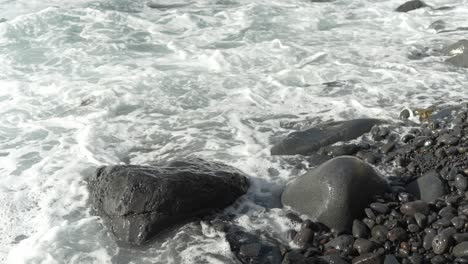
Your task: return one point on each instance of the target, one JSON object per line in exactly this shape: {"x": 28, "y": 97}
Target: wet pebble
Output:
{"x": 411, "y": 208}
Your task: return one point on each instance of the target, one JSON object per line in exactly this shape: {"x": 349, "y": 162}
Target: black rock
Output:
{"x": 359, "y": 229}
{"x": 461, "y": 250}
{"x": 461, "y": 183}
{"x": 391, "y": 259}
{"x": 397, "y": 234}
{"x": 411, "y": 5}
{"x": 341, "y": 243}
{"x": 379, "y": 208}
{"x": 336, "y": 192}
{"x": 369, "y": 258}
{"x": 428, "y": 187}
{"x": 332, "y": 259}
{"x": 303, "y": 237}
{"x": 379, "y": 233}
{"x": 310, "y": 140}
{"x": 294, "y": 257}
{"x": 253, "y": 249}
{"x": 460, "y": 237}
{"x": 442, "y": 242}
{"x": 137, "y": 202}
{"x": 460, "y": 60}
{"x": 363, "y": 246}
{"x": 456, "y": 48}
{"x": 411, "y": 208}
{"x": 405, "y": 114}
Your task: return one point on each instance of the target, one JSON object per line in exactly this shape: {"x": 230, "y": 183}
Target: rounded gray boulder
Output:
{"x": 335, "y": 193}
{"x": 137, "y": 202}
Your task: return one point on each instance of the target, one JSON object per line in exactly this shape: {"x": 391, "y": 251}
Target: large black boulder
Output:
{"x": 310, "y": 140}
{"x": 411, "y": 5}
{"x": 137, "y": 202}
{"x": 336, "y": 192}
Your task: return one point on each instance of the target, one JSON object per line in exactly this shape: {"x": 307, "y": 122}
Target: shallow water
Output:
{"x": 87, "y": 83}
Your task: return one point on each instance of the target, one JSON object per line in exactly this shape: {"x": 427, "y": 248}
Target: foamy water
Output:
{"x": 89, "y": 83}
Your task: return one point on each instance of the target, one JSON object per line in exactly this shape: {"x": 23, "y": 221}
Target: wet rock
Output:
{"x": 397, "y": 234}
{"x": 379, "y": 208}
{"x": 343, "y": 242}
{"x": 310, "y": 140}
{"x": 369, "y": 258}
{"x": 391, "y": 259}
{"x": 363, "y": 246}
{"x": 460, "y": 60}
{"x": 332, "y": 259}
{"x": 411, "y": 5}
{"x": 461, "y": 183}
{"x": 359, "y": 229}
{"x": 418, "y": 206}
{"x": 336, "y": 192}
{"x": 438, "y": 25}
{"x": 457, "y": 48}
{"x": 137, "y": 202}
{"x": 166, "y": 6}
{"x": 461, "y": 250}
{"x": 428, "y": 187}
{"x": 442, "y": 242}
{"x": 252, "y": 249}
{"x": 421, "y": 219}
{"x": 379, "y": 233}
{"x": 405, "y": 114}
{"x": 294, "y": 257}
{"x": 304, "y": 236}
{"x": 460, "y": 237}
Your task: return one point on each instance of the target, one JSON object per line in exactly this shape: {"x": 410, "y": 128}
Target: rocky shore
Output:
{"x": 376, "y": 192}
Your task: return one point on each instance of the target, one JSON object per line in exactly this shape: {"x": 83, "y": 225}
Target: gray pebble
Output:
{"x": 411, "y": 208}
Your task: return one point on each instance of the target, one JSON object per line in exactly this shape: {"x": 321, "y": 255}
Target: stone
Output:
{"x": 379, "y": 208}
{"x": 166, "y": 6}
{"x": 405, "y": 114}
{"x": 310, "y": 140}
{"x": 411, "y": 208}
{"x": 391, "y": 259}
{"x": 341, "y": 243}
{"x": 461, "y": 183}
{"x": 137, "y": 202}
{"x": 397, "y": 234}
{"x": 456, "y": 48}
{"x": 442, "y": 242}
{"x": 428, "y": 187}
{"x": 369, "y": 258}
{"x": 437, "y": 25}
{"x": 253, "y": 249}
{"x": 461, "y": 250}
{"x": 336, "y": 192}
{"x": 411, "y": 5}
{"x": 332, "y": 259}
{"x": 363, "y": 246}
{"x": 359, "y": 229}
{"x": 379, "y": 233}
{"x": 294, "y": 257}
{"x": 303, "y": 237}
{"x": 460, "y": 60}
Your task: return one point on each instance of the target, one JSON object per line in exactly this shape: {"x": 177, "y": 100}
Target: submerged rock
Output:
{"x": 461, "y": 60}
{"x": 253, "y": 249}
{"x": 336, "y": 192}
{"x": 310, "y": 140}
{"x": 137, "y": 202}
{"x": 411, "y": 5}
{"x": 457, "y": 48}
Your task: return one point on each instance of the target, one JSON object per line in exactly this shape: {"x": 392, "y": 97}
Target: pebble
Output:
{"x": 359, "y": 229}
{"x": 369, "y": 258}
{"x": 461, "y": 183}
{"x": 397, "y": 234}
{"x": 421, "y": 219}
{"x": 442, "y": 242}
{"x": 411, "y": 208}
{"x": 303, "y": 237}
{"x": 363, "y": 246}
{"x": 461, "y": 250}
{"x": 379, "y": 233}
{"x": 379, "y": 208}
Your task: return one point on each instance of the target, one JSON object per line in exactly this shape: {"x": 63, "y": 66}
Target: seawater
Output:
{"x": 90, "y": 83}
